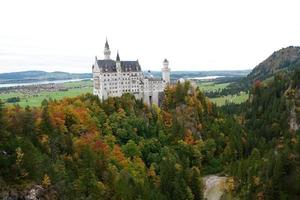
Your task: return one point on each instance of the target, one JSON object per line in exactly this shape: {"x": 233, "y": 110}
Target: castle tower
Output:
{"x": 106, "y": 51}
{"x": 118, "y": 63}
{"x": 166, "y": 71}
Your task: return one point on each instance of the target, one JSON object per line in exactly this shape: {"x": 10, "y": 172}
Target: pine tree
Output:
{"x": 196, "y": 184}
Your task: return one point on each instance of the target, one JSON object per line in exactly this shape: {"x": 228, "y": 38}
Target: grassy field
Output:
{"x": 211, "y": 86}
{"x": 82, "y": 87}
{"x": 74, "y": 89}
{"x": 237, "y": 99}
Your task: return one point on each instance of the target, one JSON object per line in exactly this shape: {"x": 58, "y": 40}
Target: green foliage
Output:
{"x": 122, "y": 149}
{"x": 116, "y": 149}
{"x": 268, "y": 167}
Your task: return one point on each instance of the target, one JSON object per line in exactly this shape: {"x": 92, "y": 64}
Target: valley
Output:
{"x": 209, "y": 139}
{"x": 33, "y": 93}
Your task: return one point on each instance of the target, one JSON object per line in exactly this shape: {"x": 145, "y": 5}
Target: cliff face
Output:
{"x": 284, "y": 59}
{"x": 35, "y": 192}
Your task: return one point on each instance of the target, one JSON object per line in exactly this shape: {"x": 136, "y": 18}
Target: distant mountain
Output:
{"x": 192, "y": 74}
{"x": 284, "y": 59}
{"x": 32, "y": 76}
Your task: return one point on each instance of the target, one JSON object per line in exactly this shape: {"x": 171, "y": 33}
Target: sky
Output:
{"x": 62, "y": 35}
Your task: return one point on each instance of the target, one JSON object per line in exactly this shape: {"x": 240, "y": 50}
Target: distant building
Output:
{"x": 112, "y": 78}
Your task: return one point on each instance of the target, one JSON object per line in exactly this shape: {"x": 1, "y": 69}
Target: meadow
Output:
{"x": 73, "y": 89}
{"x": 211, "y": 86}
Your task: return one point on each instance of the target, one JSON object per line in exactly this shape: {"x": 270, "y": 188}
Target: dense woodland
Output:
{"x": 80, "y": 148}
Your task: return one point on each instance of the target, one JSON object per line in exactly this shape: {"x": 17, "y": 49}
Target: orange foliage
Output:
{"x": 209, "y": 107}
{"x": 118, "y": 155}
{"x": 75, "y": 107}
{"x": 257, "y": 84}
{"x": 167, "y": 119}
{"x": 188, "y": 137}
{"x": 260, "y": 196}
{"x": 100, "y": 146}
{"x": 57, "y": 116}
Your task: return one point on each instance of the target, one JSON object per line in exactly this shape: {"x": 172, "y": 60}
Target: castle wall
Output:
{"x": 111, "y": 80}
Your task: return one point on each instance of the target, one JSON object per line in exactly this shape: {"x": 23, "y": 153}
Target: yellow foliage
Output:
{"x": 280, "y": 146}
{"x": 44, "y": 139}
{"x": 199, "y": 126}
{"x": 178, "y": 167}
{"x": 167, "y": 117}
{"x": 101, "y": 186}
{"x": 151, "y": 171}
{"x": 256, "y": 180}
{"x": 229, "y": 186}
{"x": 188, "y": 137}
{"x": 294, "y": 141}
{"x": 20, "y": 156}
{"x": 46, "y": 182}
{"x": 209, "y": 106}
{"x": 152, "y": 174}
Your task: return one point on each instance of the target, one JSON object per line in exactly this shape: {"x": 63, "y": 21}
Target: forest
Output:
{"x": 81, "y": 148}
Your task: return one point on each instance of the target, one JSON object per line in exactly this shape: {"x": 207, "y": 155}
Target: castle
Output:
{"x": 112, "y": 78}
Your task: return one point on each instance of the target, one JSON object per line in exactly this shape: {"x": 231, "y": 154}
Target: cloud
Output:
{"x": 193, "y": 35}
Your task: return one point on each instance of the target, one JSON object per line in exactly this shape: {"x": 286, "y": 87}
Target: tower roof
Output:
{"x": 118, "y": 57}
{"x": 106, "y": 44}
{"x": 126, "y": 66}
{"x": 165, "y": 60}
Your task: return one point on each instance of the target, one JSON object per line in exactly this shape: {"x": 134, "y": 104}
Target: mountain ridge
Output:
{"x": 284, "y": 59}
{"x": 36, "y": 75}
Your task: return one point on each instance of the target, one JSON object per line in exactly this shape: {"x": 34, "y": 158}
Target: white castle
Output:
{"x": 112, "y": 78}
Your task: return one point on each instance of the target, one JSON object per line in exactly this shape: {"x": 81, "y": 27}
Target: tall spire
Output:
{"x": 118, "y": 63}
{"x": 106, "y": 44}
{"x": 118, "y": 57}
{"x": 106, "y": 50}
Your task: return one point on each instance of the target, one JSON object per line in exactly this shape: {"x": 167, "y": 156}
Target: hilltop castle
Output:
{"x": 112, "y": 78}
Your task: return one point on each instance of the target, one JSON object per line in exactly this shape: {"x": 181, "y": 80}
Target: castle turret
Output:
{"x": 106, "y": 51}
{"x": 166, "y": 71}
{"x": 118, "y": 63}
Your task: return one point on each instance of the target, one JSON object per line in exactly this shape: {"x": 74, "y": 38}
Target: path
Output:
{"x": 214, "y": 187}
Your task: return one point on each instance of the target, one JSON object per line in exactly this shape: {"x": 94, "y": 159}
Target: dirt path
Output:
{"x": 214, "y": 187}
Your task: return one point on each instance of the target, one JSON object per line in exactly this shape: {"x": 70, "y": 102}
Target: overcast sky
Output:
{"x": 60, "y": 35}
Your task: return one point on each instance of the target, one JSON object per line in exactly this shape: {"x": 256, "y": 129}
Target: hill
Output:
{"x": 283, "y": 59}
{"x": 80, "y": 148}
{"x": 271, "y": 123}
{"x": 33, "y": 76}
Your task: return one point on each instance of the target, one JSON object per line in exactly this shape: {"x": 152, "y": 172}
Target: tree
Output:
{"x": 196, "y": 184}
{"x": 131, "y": 149}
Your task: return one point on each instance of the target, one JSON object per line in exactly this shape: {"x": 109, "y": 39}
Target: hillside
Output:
{"x": 271, "y": 124}
{"x": 80, "y": 148}
{"x": 286, "y": 59}
{"x": 283, "y": 59}
{"x": 33, "y": 76}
